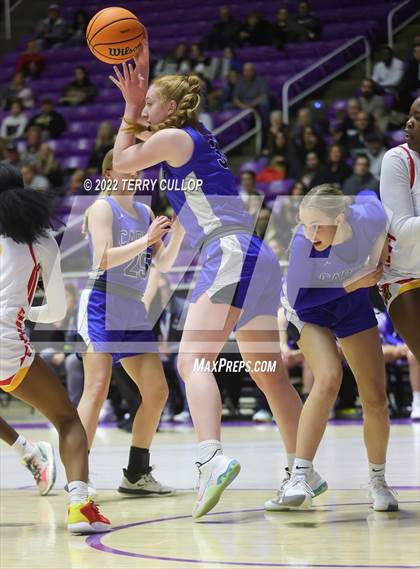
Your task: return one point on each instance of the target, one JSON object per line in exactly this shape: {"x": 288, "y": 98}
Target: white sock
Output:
{"x": 78, "y": 491}
{"x": 207, "y": 449}
{"x": 302, "y": 467}
{"x": 416, "y": 399}
{"x": 290, "y": 460}
{"x": 22, "y": 446}
{"x": 376, "y": 470}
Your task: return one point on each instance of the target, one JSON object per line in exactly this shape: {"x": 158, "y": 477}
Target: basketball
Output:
{"x": 114, "y": 35}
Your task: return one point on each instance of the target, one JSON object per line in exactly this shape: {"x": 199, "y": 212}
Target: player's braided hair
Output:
{"x": 185, "y": 91}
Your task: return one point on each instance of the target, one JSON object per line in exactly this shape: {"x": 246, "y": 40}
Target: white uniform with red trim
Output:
{"x": 400, "y": 194}
{"x": 20, "y": 267}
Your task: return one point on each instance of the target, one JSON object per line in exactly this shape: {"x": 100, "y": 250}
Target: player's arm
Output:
{"x": 396, "y": 196}
{"x": 48, "y": 254}
{"x": 105, "y": 255}
{"x": 170, "y": 145}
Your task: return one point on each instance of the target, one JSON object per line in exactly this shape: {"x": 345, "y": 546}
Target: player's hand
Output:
{"x": 134, "y": 79}
{"x": 176, "y": 226}
{"x": 371, "y": 279}
{"x": 158, "y": 228}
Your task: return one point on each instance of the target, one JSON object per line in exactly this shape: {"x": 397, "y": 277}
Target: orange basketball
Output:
{"x": 114, "y": 35}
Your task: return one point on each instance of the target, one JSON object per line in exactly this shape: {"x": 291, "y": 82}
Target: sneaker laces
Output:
{"x": 34, "y": 468}
{"x": 283, "y": 484}
{"x": 378, "y": 483}
{"x": 296, "y": 480}
{"x": 95, "y": 508}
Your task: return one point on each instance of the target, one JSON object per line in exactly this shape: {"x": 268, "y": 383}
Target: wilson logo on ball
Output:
{"x": 118, "y": 51}
{"x": 114, "y": 35}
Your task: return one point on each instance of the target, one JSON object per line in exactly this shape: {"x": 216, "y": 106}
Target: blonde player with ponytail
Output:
{"x": 228, "y": 293}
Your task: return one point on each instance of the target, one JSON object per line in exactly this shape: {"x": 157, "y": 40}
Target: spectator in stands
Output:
{"x": 278, "y": 145}
{"x": 361, "y": 179}
{"x": 308, "y": 142}
{"x": 285, "y": 29}
{"x": 375, "y": 151}
{"x": 372, "y": 103}
{"x": 255, "y": 31}
{"x": 348, "y": 123}
{"x": 387, "y": 72}
{"x": 79, "y": 91}
{"x": 227, "y": 96}
{"x": 13, "y": 126}
{"x": 225, "y": 63}
{"x": 47, "y": 165}
{"x": 175, "y": 63}
{"x": 18, "y": 89}
{"x": 77, "y": 32}
{"x": 34, "y": 180}
{"x": 31, "y": 63}
{"x": 311, "y": 170}
{"x": 410, "y": 82}
{"x": 263, "y": 219}
{"x": 199, "y": 63}
{"x": 12, "y": 156}
{"x": 247, "y": 183}
{"x": 51, "y": 122}
{"x": 336, "y": 171}
{"x": 76, "y": 182}
{"x": 224, "y": 33}
{"x": 105, "y": 139}
{"x": 276, "y": 169}
{"x": 276, "y": 125}
{"x": 251, "y": 92}
{"x": 304, "y": 119}
{"x": 356, "y": 143}
{"x": 52, "y": 31}
{"x": 33, "y": 145}
{"x": 309, "y": 23}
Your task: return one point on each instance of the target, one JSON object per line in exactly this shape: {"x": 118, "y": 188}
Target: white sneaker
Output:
{"x": 215, "y": 476}
{"x": 317, "y": 484}
{"x": 262, "y": 416}
{"x": 382, "y": 496}
{"x": 415, "y": 413}
{"x": 183, "y": 417}
{"x": 297, "y": 491}
{"x": 41, "y": 463}
{"x": 146, "y": 485}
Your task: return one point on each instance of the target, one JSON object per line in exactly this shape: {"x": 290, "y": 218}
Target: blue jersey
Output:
{"x": 316, "y": 277}
{"x": 125, "y": 229}
{"x": 213, "y": 201}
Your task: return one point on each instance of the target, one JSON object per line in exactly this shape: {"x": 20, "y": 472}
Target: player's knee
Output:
{"x": 328, "y": 386}
{"x": 186, "y": 364}
{"x": 96, "y": 390}
{"x": 157, "y": 395}
{"x": 375, "y": 403}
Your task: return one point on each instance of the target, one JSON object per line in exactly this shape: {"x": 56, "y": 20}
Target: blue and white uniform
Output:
{"x": 314, "y": 291}
{"x": 112, "y": 316}
{"x": 238, "y": 268}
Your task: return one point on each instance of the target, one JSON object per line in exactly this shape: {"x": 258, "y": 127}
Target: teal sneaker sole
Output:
{"x": 213, "y": 494}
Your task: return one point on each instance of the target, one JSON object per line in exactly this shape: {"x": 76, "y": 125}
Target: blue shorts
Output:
{"x": 240, "y": 270}
{"x": 346, "y": 316}
{"x": 114, "y": 325}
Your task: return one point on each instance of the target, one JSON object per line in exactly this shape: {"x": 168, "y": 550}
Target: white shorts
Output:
{"x": 390, "y": 291}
